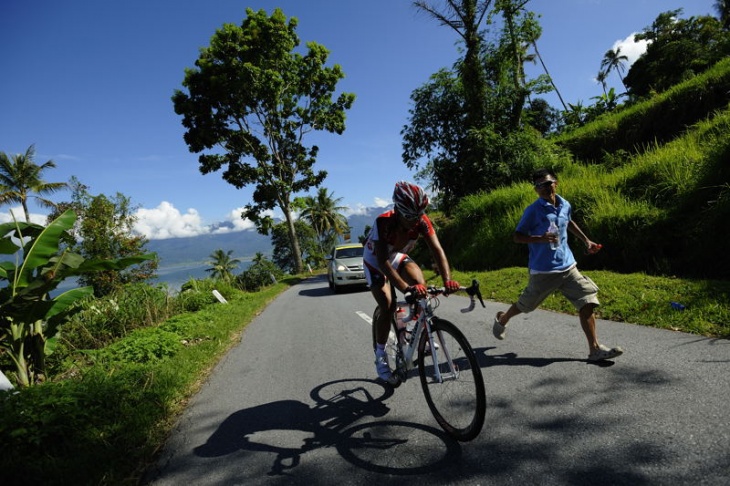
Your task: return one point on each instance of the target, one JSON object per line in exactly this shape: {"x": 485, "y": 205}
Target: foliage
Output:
{"x": 105, "y": 231}
{"x": 20, "y": 178}
{"x": 613, "y": 60}
{"x": 253, "y": 96}
{"x": 29, "y": 317}
{"x": 99, "y": 322}
{"x": 222, "y": 265}
{"x": 660, "y": 119}
{"x": 309, "y": 246}
{"x": 260, "y": 274}
{"x": 677, "y": 50}
{"x": 143, "y": 346}
{"x": 450, "y": 146}
{"x": 323, "y": 213}
{"x": 196, "y": 294}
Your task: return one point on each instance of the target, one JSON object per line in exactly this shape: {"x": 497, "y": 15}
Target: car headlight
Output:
{"x": 341, "y": 267}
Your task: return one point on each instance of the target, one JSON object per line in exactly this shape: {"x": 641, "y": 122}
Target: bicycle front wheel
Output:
{"x": 452, "y": 381}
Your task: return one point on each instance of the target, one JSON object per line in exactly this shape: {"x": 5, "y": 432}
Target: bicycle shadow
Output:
{"x": 334, "y": 420}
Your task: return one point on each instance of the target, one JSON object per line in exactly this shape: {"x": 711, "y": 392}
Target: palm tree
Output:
{"x": 544, "y": 67}
{"x": 20, "y": 177}
{"x": 323, "y": 214}
{"x": 222, "y": 265}
{"x": 614, "y": 61}
{"x": 601, "y": 78}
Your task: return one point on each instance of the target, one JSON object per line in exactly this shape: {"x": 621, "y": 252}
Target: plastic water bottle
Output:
{"x": 553, "y": 229}
{"x": 403, "y": 335}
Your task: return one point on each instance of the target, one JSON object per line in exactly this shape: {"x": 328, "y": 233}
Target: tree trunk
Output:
{"x": 296, "y": 252}
{"x": 534, "y": 44}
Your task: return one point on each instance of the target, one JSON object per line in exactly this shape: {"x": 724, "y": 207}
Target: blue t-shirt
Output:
{"x": 535, "y": 221}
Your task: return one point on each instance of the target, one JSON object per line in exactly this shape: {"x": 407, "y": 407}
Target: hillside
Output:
{"x": 655, "y": 194}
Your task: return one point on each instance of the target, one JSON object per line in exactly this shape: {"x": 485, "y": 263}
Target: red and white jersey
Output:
{"x": 399, "y": 241}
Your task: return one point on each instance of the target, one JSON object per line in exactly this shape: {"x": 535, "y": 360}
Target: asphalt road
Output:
{"x": 297, "y": 403}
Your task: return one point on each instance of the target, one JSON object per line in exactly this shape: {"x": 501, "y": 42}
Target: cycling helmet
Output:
{"x": 409, "y": 199}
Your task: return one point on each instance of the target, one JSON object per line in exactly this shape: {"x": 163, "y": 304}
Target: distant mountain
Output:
{"x": 244, "y": 244}
{"x": 195, "y": 249}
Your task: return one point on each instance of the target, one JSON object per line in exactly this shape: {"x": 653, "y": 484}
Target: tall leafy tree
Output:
{"x": 282, "y": 255}
{"x": 722, "y": 7}
{"x": 323, "y": 212}
{"x": 105, "y": 231}
{"x": 442, "y": 141}
{"x": 613, "y": 60}
{"x": 677, "y": 50}
{"x": 250, "y": 101}
{"x": 464, "y": 17}
{"x": 21, "y": 178}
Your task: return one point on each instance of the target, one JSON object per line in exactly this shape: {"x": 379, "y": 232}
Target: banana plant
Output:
{"x": 30, "y": 318}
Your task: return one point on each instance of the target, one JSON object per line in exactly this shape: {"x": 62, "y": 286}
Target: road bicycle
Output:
{"x": 450, "y": 375}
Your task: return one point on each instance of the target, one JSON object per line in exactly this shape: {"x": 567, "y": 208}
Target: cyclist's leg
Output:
{"x": 411, "y": 272}
{"x": 383, "y": 294}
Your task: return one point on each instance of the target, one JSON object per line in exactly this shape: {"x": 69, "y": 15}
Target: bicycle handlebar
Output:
{"x": 472, "y": 291}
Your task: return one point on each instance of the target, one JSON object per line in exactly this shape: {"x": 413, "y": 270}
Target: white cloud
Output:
{"x": 629, "y": 48}
{"x": 165, "y": 221}
{"x": 381, "y": 203}
{"x": 7, "y": 217}
{"x": 239, "y": 224}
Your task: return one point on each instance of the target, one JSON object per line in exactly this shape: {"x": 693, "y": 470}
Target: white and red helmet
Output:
{"x": 409, "y": 199}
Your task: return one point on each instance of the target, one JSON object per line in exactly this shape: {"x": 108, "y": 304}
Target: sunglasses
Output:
{"x": 544, "y": 184}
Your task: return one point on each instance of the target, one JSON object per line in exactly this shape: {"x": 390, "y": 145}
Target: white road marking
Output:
{"x": 369, "y": 320}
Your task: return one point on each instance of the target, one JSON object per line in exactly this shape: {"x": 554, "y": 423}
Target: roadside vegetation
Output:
{"x": 101, "y": 372}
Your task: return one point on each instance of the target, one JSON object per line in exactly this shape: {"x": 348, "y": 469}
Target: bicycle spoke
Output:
{"x": 452, "y": 381}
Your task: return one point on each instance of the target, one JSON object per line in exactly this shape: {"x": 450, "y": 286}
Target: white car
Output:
{"x": 345, "y": 267}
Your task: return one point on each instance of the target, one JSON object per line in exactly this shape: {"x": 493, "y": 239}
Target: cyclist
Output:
{"x": 388, "y": 266}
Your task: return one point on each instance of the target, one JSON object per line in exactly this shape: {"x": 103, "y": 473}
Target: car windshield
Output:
{"x": 349, "y": 252}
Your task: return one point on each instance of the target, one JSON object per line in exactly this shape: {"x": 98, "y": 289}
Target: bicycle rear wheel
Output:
{"x": 456, "y": 393}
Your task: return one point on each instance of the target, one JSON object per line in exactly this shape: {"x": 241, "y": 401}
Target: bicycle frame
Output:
{"x": 406, "y": 353}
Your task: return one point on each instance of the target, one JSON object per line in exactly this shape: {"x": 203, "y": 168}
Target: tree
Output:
{"x": 441, "y": 142}
{"x": 323, "y": 213}
{"x": 20, "y": 178}
{"x": 547, "y": 73}
{"x": 541, "y": 116}
{"x": 251, "y": 100}
{"x": 722, "y": 7}
{"x": 464, "y": 17}
{"x": 601, "y": 77}
{"x": 261, "y": 273}
{"x": 677, "y": 50}
{"x": 613, "y": 60}
{"x": 106, "y": 231}
{"x": 282, "y": 255}
{"x": 222, "y": 265}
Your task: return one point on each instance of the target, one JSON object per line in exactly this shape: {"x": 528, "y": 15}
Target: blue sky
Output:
{"x": 89, "y": 83}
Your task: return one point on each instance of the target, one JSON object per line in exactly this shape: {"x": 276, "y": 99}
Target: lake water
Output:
{"x": 174, "y": 276}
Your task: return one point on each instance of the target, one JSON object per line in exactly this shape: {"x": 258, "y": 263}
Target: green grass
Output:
{"x": 634, "y": 298}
